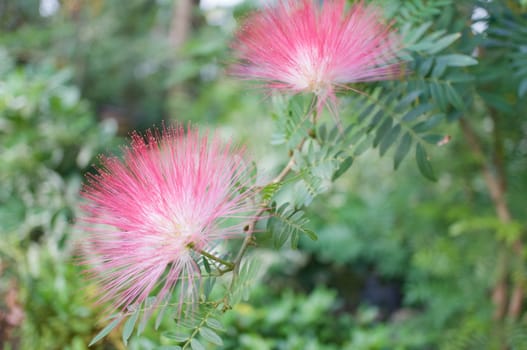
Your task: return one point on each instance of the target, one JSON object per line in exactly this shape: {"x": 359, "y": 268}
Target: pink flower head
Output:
{"x": 300, "y": 46}
{"x": 173, "y": 194}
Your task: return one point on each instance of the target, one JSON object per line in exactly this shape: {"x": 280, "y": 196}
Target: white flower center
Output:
{"x": 172, "y": 231}
{"x": 309, "y": 71}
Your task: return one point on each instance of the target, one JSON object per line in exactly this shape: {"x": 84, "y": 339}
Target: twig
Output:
{"x": 279, "y": 178}
{"x": 250, "y": 227}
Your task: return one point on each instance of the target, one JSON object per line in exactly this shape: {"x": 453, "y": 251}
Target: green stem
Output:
{"x": 229, "y": 264}
{"x": 197, "y": 329}
{"x": 247, "y": 240}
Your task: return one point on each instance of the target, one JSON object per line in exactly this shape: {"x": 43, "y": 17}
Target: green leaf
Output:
{"x": 287, "y": 222}
{"x": 389, "y": 139}
{"x": 196, "y": 345}
{"x": 522, "y": 89}
{"x": 423, "y": 163}
{"x": 431, "y": 45}
{"x": 438, "y": 95}
{"x": 402, "y": 150}
{"x": 444, "y": 42}
{"x": 344, "y": 166}
{"x": 333, "y": 134}
{"x": 105, "y": 331}
{"x": 433, "y": 139}
{"x": 459, "y": 77}
{"x": 269, "y": 191}
{"x": 178, "y": 337}
{"x": 497, "y": 101}
{"x": 413, "y": 35}
{"x": 429, "y": 123}
{"x": 311, "y": 234}
{"x": 280, "y": 235}
{"x": 377, "y": 116}
{"x": 454, "y": 98}
{"x": 129, "y": 325}
{"x": 457, "y": 60}
{"x": 361, "y": 146}
{"x": 381, "y": 131}
{"x": 291, "y": 121}
{"x": 211, "y": 336}
{"x": 425, "y": 66}
{"x": 215, "y": 324}
{"x": 407, "y": 100}
{"x": 159, "y": 317}
{"x": 295, "y": 237}
{"x": 439, "y": 69}
{"x": 208, "y": 285}
{"x": 366, "y": 112}
{"x": 142, "y": 324}
{"x": 417, "y": 112}
{"x": 206, "y": 264}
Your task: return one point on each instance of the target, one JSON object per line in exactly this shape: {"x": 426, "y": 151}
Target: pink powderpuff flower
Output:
{"x": 174, "y": 193}
{"x": 298, "y": 46}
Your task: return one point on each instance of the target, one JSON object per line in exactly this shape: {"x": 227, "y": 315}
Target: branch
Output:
{"x": 497, "y": 192}
{"x": 250, "y": 227}
{"x": 181, "y": 23}
{"x": 495, "y": 181}
{"x": 515, "y": 304}
{"x": 279, "y": 178}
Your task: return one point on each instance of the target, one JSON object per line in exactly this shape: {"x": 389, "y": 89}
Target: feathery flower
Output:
{"x": 149, "y": 214}
{"x": 299, "y": 46}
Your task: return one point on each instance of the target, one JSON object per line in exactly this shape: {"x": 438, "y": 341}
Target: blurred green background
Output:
{"x": 401, "y": 262}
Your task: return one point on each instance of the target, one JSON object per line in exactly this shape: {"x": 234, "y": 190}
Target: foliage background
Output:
{"x": 400, "y": 263}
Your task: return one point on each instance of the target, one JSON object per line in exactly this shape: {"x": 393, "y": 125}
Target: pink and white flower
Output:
{"x": 299, "y": 46}
{"x": 174, "y": 193}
